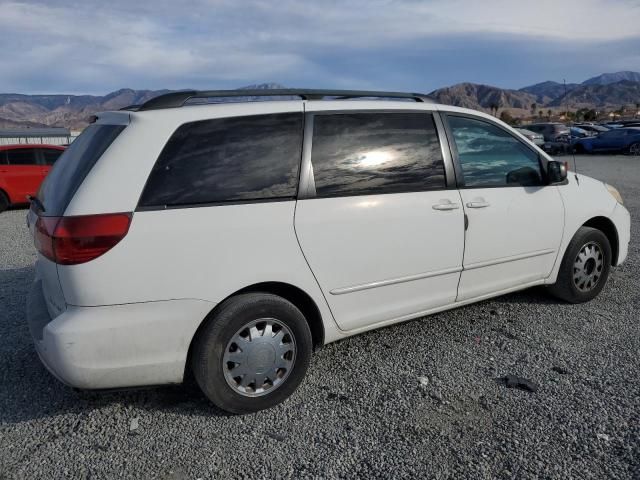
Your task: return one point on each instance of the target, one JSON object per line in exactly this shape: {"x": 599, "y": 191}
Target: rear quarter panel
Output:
{"x": 205, "y": 253}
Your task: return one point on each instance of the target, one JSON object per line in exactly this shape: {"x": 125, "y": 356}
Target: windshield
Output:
{"x": 73, "y": 166}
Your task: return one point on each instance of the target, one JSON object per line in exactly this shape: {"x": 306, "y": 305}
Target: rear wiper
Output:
{"x": 36, "y": 201}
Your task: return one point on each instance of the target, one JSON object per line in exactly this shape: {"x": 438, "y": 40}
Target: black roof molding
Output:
{"x": 180, "y": 98}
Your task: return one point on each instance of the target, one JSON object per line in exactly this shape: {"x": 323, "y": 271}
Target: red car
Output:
{"x": 22, "y": 169}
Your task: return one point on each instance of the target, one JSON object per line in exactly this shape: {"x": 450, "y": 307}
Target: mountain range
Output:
{"x": 609, "y": 90}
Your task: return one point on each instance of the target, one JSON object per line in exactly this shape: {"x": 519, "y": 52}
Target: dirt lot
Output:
{"x": 418, "y": 399}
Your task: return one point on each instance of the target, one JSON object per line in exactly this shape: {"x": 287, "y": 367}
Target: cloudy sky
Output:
{"x": 86, "y": 46}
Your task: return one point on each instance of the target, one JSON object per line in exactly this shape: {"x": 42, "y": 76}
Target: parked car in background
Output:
{"x": 536, "y": 138}
{"x": 557, "y": 136}
{"x": 578, "y": 132}
{"x": 22, "y": 169}
{"x": 230, "y": 239}
{"x": 551, "y": 131}
{"x": 626, "y": 140}
{"x": 623, "y": 123}
{"x": 590, "y": 127}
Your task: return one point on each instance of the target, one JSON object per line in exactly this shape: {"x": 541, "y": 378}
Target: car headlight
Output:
{"x": 614, "y": 193}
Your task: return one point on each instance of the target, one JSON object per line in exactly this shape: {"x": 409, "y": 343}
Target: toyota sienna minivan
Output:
{"x": 230, "y": 239}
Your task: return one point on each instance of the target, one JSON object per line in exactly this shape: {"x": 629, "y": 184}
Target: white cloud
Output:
{"x": 171, "y": 44}
{"x": 377, "y": 22}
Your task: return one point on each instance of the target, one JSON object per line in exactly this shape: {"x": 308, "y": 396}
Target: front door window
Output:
{"x": 491, "y": 157}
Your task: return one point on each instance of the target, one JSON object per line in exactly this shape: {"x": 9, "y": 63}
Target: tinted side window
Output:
{"x": 226, "y": 160}
{"x": 374, "y": 153}
{"x": 74, "y": 165}
{"x": 491, "y": 157}
{"x": 50, "y": 155}
{"x": 21, "y": 156}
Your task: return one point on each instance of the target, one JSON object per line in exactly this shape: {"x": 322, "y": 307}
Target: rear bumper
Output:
{"x": 115, "y": 346}
{"x": 622, "y": 220}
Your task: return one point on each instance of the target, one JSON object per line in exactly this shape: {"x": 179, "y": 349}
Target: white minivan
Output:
{"x": 233, "y": 238}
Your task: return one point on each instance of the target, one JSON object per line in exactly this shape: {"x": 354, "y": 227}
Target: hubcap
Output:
{"x": 259, "y": 357}
{"x": 588, "y": 266}
{"x": 635, "y": 149}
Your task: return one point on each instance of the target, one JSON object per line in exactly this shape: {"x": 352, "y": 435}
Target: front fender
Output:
{"x": 584, "y": 198}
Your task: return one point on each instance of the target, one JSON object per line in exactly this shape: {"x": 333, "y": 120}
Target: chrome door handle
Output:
{"x": 478, "y": 204}
{"x": 446, "y": 206}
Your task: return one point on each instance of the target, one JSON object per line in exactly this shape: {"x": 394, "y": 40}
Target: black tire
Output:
{"x": 580, "y": 149}
{"x": 570, "y": 290}
{"x": 213, "y": 339}
{"x": 4, "y": 202}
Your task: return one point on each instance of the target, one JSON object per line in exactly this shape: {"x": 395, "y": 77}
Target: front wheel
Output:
{"x": 585, "y": 267}
{"x": 252, "y": 353}
{"x": 634, "y": 148}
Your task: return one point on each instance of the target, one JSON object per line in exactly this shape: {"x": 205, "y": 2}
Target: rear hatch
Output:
{"x": 54, "y": 196}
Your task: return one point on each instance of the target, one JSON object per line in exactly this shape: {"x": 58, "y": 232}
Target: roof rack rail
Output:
{"x": 134, "y": 107}
{"x": 180, "y": 98}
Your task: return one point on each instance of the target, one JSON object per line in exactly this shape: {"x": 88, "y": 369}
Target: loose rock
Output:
{"x": 512, "y": 381}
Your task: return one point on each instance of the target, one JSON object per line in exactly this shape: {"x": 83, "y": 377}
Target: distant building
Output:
{"x": 49, "y": 136}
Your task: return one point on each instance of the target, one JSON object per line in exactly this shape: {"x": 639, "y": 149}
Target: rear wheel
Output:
{"x": 585, "y": 267}
{"x": 4, "y": 202}
{"x": 634, "y": 148}
{"x": 252, "y": 353}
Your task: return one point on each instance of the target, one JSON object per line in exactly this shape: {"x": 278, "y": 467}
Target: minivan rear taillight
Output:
{"x": 74, "y": 240}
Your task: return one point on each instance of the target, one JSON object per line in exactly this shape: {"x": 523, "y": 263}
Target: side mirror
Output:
{"x": 525, "y": 176}
{"x": 556, "y": 172}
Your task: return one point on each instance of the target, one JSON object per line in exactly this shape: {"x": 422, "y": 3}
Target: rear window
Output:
{"x": 73, "y": 166}
{"x": 239, "y": 159}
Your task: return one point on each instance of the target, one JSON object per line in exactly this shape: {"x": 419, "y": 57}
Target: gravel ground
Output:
{"x": 418, "y": 399}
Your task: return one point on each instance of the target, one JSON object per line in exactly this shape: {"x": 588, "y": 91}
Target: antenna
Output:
{"x": 566, "y": 115}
